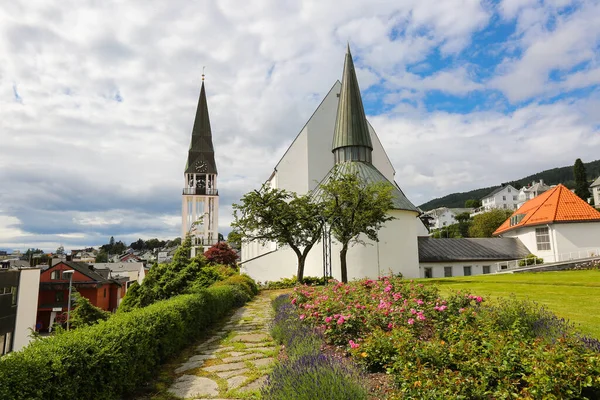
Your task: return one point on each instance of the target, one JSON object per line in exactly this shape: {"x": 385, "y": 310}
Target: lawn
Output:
{"x": 573, "y": 295}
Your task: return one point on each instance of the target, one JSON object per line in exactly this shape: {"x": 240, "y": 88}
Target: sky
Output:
{"x": 97, "y": 99}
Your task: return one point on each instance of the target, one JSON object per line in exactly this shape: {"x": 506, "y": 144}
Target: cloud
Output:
{"x": 97, "y": 99}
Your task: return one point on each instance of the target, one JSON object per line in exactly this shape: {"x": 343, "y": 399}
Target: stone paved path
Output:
{"x": 235, "y": 360}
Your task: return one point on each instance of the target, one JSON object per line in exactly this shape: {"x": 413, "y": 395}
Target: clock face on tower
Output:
{"x": 200, "y": 166}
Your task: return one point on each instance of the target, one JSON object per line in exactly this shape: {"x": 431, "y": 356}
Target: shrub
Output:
{"x": 85, "y": 313}
{"x": 111, "y": 358}
{"x": 305, "y": 373}
{"x": 286, "y": 283}
{"x": 221, "y": 253}
{"x": 531, "y": 259}
{"x": 243, "y": 281}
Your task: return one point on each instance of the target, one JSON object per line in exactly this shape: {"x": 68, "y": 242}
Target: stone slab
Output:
{"x": 236, "y": 381}
{"x": 242, "y": 358}
{"x": 225, "y": 367}
{"x": 201, "y": 357}
{"x": 262, "y": 362}
{"x": 193, "y": 386}
{"x": 229, "y": 374}
{"x": 189, "y": 365}
{"x": 257, "y": 384}
{"x": 252, "y": 338}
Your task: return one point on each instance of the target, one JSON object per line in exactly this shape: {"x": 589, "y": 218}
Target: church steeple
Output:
{"x": 201, "y": 154}
{"x": 351, "y": 140}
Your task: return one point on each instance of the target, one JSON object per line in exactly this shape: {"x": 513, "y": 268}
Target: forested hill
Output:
{"x": 552, "y": 176}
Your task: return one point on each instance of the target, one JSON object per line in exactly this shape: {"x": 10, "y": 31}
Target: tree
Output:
{"x": 138, "y": 245}
{"x": 60, "y": 250}
{"x": 485, "y": 224}
{"x": 355, "y": 207}
{"x": 175, "y": 242}
{"x": 472, "y": 203}
{"x": 464, "y": 223}
{"x": 276, "y": 215}
{"x": 111, "y": 242}
{"x": 234, "y": 239}
{"x": 101, "y": 257}
{"x": 85, "y": 313}
{"x": 221, "y": 253}
{"x": 581, "y": 183}
{"x": 220, "y": 237}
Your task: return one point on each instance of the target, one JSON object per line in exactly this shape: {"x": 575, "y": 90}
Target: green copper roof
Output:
{"x": 201, "y": 155}
{"x": 351, "y": 127}
{"x": 367, "y": 173}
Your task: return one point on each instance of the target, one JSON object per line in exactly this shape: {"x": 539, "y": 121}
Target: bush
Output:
{"x": 531, "y": 259}
{"x": 243, "y": 281}
{"x": 115, "y": 357}
{"x": 286, "y": 283}
{"x": 305, "y": 373}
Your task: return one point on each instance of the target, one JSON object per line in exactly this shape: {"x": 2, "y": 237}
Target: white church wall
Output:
{"x": 292, "y": 170}
{"x": 380, "y": 158}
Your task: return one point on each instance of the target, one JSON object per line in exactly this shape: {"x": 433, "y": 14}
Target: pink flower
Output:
{"x": 411, "y": 321}
{"x": 421, "y": 317}
{"x": 390, "y": 325}
{"x": 413, "y": 311}
{"x": 461, "y": 310}
{"x": 328, "y": 319}
{"x": 388, "y": 288}
{"x": 340, "y": 320}
{"x": 302, "y": 316}
{"x": 353, "y": 345}
{"x": 479, "y": 299}
{"x": 293, "y": 301}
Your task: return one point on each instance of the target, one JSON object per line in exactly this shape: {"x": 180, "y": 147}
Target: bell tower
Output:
{"x": 200, "y": 197}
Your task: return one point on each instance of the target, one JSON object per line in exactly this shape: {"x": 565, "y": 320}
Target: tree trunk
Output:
{"x": 300, "y": 272}
{"x": 343, "y": 263}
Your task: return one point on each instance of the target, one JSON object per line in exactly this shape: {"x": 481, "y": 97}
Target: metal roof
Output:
{"x": 367, "y": 173}
{"x": 201, "y": 149}
{"x": 470, "y": 249}
{"x": 351, "y": 127}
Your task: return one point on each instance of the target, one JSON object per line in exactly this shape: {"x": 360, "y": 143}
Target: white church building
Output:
{"x": 338, "y": 133}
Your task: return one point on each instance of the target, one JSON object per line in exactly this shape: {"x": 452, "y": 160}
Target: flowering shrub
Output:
{"x": 304, "y": 373}
{"x": 453, "y": 347}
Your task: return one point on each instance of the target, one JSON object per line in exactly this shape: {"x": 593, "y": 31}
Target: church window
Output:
{"x": 542, "y": 238}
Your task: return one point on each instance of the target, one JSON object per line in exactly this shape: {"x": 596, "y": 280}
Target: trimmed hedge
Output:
{"x": 243, "y": 281}
{"x": 113, "y": 358}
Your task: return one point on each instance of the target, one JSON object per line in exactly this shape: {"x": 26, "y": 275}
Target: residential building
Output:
{"x": 444, "y": 216}
{"x": 200, "y": 197}
{"x": 531, "y": 191}
{"x": 339, "y": 135}
{"x": 595, "y": 188}
{"x": 133, "y": 271}
{"x": 18, "y": 306}
{"x": 555, "y": 225}
{"x": 439, "y": 258}
{"x": 95, "y": 285}
{"x": 505, "y": 197}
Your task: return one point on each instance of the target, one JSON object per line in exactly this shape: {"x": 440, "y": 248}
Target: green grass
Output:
{"x": 573, "y": 295}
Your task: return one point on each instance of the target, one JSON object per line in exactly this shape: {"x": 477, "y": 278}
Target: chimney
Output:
{"x": 541, "y": 182}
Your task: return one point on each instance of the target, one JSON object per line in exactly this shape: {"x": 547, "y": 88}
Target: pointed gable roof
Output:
{"x": 553, "y": 206}
{"x": 595, "y": 183}
{"x": 201, "y": 147}
{"x": 351, "y": 127}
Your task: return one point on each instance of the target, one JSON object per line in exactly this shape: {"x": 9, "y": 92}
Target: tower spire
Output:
{"x": 201, "y": 149}
{"x": 351, "y": 140}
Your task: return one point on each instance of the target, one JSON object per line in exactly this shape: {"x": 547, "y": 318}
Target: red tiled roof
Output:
{"x": 556, "y": 205}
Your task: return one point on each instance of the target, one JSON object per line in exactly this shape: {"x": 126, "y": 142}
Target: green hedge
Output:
{"x": 243, "y": 281}
{"x": 114, "y": 357}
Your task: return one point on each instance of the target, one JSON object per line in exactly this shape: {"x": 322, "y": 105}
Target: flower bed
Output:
{"x": 453, "y": 347}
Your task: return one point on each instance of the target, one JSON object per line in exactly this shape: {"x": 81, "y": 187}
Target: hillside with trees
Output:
{"x": 552, "y": 176}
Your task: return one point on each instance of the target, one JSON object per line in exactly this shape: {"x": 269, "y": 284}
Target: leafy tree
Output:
{"x": 464, "y": 223}
{"x": 60, "y": 250}
{"x": 152, "y": 244}
{"x": 111, "y": 242}
{"x": 85, "y": 313}
{"x": 138, "y": 245}
{"x": 119, "y": 248}
{"x": 221, "y": 253}
{"x": 472, "y": 203}
{"x": 175, "y": 242}
{"x": 234, "y": 239}
{"x": 220, "y": 237}
{"x": 102, "y": 257}
{"x": 581, "y": 183}
{"x": 276, "y": 215}
{"x": 485, "y": 224}
{"x": 355, "y": 207}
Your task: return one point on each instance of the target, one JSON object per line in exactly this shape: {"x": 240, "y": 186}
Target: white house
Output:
{"x": 444, "y": 216}
{"x": 595, "y": 188}
{"x": 531, "y": 191}
{"x": 19, "y": 289}
{"x": 133, "y": 271}
{"x": 506, "y": 197}
{"x": 443, "y": 258}
{"x": 556, "y": 226}
{"x": 311, "y": 159}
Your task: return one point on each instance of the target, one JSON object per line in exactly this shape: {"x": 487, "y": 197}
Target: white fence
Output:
{"x": 551, "y": 259}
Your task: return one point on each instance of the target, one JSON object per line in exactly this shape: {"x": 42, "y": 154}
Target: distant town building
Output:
{"x": 443, "y": 216}
{"x": 505, "y": 197}
{"x": 531, "y": 191}
{"x": 18, "y": 306}
{"x": 595, "y": 188}
{"x": 133, "y": 271}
